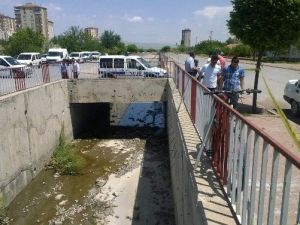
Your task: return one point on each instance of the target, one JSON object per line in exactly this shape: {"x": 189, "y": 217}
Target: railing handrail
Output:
{"x": 291, "y": 156}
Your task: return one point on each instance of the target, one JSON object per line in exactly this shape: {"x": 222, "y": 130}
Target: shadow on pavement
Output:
{"x": 247, "y": 109}
{"x": 291, "y": 117}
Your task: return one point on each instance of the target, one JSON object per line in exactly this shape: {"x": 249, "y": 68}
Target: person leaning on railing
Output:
{"x": 210, "y": 73}
{"x": 232, "y": 79}
{"x": 189, "y": 65}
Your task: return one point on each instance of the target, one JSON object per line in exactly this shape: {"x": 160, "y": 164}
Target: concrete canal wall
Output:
{"x": 31, "y": 123}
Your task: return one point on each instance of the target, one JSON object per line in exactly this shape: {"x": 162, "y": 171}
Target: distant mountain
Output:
{"x": 150, "y": 45}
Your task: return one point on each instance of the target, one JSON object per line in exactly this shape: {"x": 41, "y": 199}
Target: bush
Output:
{"x": 240, "y": 50}
{"x": 66, "y": 161}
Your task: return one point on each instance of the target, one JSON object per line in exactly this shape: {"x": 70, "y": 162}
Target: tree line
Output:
{"x": 74, "y": 39}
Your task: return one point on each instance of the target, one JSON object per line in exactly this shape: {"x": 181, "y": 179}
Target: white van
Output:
{"x": 120, "y": 65}
{"x": 57, "y": 54}
{"x": 30, "y": 58}
{"x": 78, "y": 56}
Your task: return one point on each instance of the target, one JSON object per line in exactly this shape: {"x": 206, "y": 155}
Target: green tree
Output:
{"x": 132, "y": 48}
{"x": 181, "y": 49}
{"x": 207, "y": 47}
{"x": 265, "y": 25}
{"x": 109, "y": 39}
{"x": 151, "y": 50}
{"x": 24, "y": 40}
{"x": 73, "y": 39}
{"x": 165, "y": 49}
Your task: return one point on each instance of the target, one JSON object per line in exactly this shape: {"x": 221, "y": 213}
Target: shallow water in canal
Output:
{"x": 84, "y": 199}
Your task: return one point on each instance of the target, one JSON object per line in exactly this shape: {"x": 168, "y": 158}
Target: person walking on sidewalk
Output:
{"x": 232, "y": 79}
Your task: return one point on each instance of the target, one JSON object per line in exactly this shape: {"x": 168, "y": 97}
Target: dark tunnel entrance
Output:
{"x": 90, "y": 120}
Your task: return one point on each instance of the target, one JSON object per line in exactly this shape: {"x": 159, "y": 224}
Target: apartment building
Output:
{"x": 186, "y": 37}
{"x": 92, "y": 31}
{"x": 32, "y": 16}
{"x": 7, "y": 27}
{"x": 50, "y": 30}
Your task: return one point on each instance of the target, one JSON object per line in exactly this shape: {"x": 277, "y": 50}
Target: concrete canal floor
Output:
{"x": 126, "y": 180}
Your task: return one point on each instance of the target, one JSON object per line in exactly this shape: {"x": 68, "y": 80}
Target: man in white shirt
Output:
{"x": 75, "y": 68}
{"x": 210, "y": 73}
{"x": 190, "y": 65}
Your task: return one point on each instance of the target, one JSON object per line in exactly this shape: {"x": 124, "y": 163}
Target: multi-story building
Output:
{"x": 92, "y": 31}
{"x": 186, "y": 37}
{"x": 7, "y": 27}
{"x": 32, "y": 16}
{"x": 50, "y": 30}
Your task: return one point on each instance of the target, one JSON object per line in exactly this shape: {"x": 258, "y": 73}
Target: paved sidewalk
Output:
{"x": 271, "y": 124}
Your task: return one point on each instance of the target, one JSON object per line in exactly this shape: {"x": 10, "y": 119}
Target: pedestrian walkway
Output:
{"x": 270, "y": 123}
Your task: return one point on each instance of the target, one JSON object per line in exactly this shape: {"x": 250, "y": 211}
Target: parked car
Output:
{"x": 44, "y": 57}
{"x": 11, "y": 68}
{"x": 78, "y": 56}
{"x": 86, "y": 56}
{"x": 95, "y": 55}
{"x": 120, "y": 65}
{"x": 292, "y": 95}
{"x": 30, "y": 59}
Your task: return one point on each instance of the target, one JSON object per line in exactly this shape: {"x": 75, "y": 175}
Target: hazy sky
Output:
{"x": 149, "y": 21}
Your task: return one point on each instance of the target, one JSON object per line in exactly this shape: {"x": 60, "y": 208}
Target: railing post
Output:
{"x": 45, "y": 73}
{"x": 193, "y": 100}
{"x": 183, "y": 76}
{"x": 19, "y": 77}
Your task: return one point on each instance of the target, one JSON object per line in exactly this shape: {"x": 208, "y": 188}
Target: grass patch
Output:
{"x": 66, "y": 161}
{"x": 3, "y": 219}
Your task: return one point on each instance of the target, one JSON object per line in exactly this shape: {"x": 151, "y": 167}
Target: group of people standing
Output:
{"x": 215, "y": 74}
{"x": 75, "y": 68}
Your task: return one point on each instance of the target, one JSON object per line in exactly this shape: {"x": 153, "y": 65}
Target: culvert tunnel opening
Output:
{"x": 90, "y": 120}
{"x": 101, "y": 120}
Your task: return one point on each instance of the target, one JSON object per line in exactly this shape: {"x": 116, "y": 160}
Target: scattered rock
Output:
{"x": 59, "y": 196}
{"x": 100, "y": 182}
{"x": 64, "y": 202}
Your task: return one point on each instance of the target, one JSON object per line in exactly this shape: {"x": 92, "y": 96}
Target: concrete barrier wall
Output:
{"x": 187, "y": 209}
{"x": 122, "y": 94}
{"x": 31, "y": 122}
{"x": 117, "y": 90}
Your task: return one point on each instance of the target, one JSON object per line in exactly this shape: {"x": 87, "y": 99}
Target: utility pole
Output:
{"x": 196, "y": 40}
{"x": 210, "y": 35}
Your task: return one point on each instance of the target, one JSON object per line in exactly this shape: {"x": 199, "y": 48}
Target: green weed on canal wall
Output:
{"x": 2, "y": 212}
{"x": 66, "y": 161}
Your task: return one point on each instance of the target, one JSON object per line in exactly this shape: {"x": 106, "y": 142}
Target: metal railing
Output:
{"x": 260, "y": 177}
{"x": 17, "y": 79}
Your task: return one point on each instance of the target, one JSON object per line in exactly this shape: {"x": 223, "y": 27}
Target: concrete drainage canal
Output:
{"x": 124, "y": 178}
